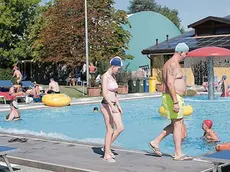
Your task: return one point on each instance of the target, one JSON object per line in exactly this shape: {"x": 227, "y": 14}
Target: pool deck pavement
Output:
{"x": 62, "y": 156}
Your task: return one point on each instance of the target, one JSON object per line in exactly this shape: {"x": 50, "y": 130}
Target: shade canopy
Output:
{"x": 209, "y": 52}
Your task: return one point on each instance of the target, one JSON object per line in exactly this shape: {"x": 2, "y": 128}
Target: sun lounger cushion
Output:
{"x": 5, "y": 83}
{"x": 5, "y": 150}
{"x": 27, "y": 84}
{"x": 220, "y": 155}
{"x": 7, "y": 96}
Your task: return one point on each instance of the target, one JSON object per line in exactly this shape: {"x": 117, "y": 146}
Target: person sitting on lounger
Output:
{"x": 14, "y": 114}
{"x": 15, "y": 90}
{"x": 53, "y": 87}
{"x": 209, "y": 134}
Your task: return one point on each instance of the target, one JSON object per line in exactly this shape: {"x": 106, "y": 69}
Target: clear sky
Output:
{"x": 189, "y": 10}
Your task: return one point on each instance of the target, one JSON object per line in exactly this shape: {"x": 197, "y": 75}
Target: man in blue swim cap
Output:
{"x": 173, "y": 102}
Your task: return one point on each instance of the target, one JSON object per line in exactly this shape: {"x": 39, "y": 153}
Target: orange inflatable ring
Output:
{"x": 224, "y": 146}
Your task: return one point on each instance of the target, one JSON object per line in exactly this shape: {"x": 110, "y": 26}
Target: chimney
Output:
{"x": 167, "y": 38}
{"x": 156, "y": 42}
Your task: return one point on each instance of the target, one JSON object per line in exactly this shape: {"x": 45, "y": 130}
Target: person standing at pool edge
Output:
{"x": 111, "y": 108}
{"x": 174, "y": 87}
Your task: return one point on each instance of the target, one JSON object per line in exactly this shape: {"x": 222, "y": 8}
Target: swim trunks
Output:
{"x": 167, "y": 103}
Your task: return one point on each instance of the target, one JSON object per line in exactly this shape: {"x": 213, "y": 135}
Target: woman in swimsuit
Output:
{"x": 14, "y": 114}
{"x": 224, "y": 87}
{"x": 111, "y": 108}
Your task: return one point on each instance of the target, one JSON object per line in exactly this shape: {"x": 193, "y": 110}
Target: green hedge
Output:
{"x": 191, "y": 93}
{"x": 7, "y": 74}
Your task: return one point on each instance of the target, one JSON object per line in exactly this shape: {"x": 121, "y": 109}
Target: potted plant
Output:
{"x": 159, "y": 85}
{"x": 94, "y": 88}
{"x": 122, "y": 79}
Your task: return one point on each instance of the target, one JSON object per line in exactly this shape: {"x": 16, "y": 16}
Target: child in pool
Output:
{"x": 95, "y": 109}
{"x": 14, "y": 114}
{"x": 209, "y": 134}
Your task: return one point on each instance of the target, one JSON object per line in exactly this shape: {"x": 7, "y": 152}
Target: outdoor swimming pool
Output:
{"x": 141, "y": 119}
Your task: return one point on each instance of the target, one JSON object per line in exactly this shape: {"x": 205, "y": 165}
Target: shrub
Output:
{"x": 124, "y": 75}
{"x": 5, "y": 74}
{"x": 191, "y": 93}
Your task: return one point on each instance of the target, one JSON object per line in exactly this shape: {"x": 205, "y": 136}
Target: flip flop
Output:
{"x": 156, "y": 150}
{"x": 22, "y": 140}
{"x": 184, "y": 158}
{"x": 13, "y": 140}
{"x": 109, "y": 160}
{"x": 111, "y": 153}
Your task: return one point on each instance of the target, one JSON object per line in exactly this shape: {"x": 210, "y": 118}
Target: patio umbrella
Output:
{"x": 209, "y": 53}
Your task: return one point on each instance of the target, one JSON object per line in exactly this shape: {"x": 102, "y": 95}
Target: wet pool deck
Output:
{"x": 61, "y": 156}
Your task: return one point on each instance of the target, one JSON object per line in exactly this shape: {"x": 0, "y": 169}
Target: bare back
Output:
{"x": 18, "y": 74}
{"x": 179, "y": 83}
{"x": 54, "y": 86}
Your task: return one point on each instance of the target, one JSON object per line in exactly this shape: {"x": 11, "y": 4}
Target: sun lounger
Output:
{"x": 5, "y": 83}
{"x": 219, "y": 159}
{"x": 4, "y": 150}
{"x": 27, "y": 84}
{"x": 6, "y": 96}
{"x": 4, "y": 99}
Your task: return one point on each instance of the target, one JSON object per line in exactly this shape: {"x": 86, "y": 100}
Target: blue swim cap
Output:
{"x": 181, "y": 47}
{"x": 116, "y": 61}
{"x": 224, "y": 77}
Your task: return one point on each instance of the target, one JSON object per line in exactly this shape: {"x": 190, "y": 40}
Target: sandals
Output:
{"x": 111, "y": 153}
{"x": 13, "y": 140}
{"x": 109, "y": 160}
{"x": 22, "y": 140}
{"x": 156, "y": 150}
{"x": 184, "y": 158}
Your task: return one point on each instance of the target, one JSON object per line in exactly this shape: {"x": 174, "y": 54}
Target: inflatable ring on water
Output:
{"x": 56, "y": 100}
{"x": 223, "y": 146}
{"x": 187, "y": 110}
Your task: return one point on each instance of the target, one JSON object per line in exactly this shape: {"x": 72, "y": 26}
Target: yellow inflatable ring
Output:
{"x": 187, "y": 110}
{"x": 56, "y": 100}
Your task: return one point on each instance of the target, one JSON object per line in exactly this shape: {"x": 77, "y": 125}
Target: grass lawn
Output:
{"x": 72, "y": 91}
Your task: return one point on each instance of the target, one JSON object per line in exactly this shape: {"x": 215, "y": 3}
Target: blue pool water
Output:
{"x": 141, "y": 120}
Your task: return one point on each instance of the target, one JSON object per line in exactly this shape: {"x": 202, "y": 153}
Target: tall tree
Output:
{"x": 152, "y": 5}
{"x": 63, "y": 35}
{"x": 15, "y": 16}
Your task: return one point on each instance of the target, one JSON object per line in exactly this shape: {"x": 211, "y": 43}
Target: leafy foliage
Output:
{"x": 15, "y": 17}
{"x": 124, "y": 75}
{"x": 152, "y": 5}
{"x": 5, "y": 74}
{"x": 63, "y": 34}
{"x": 191, "y": 93}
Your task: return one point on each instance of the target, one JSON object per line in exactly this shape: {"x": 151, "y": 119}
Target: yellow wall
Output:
{"x": 220, "y": 71}
{"x": 189, "y": 76}
{"x": 158, "y": 61}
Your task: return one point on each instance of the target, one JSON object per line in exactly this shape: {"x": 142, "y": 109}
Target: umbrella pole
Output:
{"x": 210, "y": 78}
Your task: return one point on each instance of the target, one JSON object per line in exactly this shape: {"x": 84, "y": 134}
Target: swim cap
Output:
{"x": 208, "y": 123}
{"x": 15, "y": 104}
{"x": 181, "y": 47}
{"x": 224, "y": 77}
{"x": 116, "y": 61}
